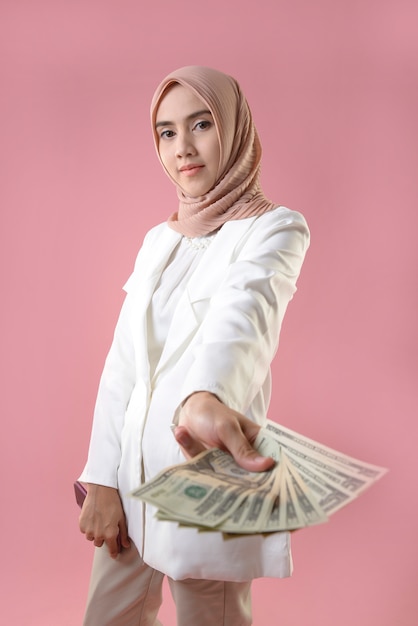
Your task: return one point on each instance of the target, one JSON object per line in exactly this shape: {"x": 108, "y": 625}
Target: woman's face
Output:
{"x": 188, "y": 141}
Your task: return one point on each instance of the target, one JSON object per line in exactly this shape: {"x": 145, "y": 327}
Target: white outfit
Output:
{"x": 220, "y": 333}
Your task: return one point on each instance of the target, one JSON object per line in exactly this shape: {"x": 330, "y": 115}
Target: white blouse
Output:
{"x": 180, "y": 267}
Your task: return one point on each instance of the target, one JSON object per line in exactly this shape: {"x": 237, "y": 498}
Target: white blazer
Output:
{"x": 222, "y": 338}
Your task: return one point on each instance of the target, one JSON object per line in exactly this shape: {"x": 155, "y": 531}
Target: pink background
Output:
{"x": 334, "y": 91}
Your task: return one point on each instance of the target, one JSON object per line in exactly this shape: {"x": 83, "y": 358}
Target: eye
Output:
{"x": 202, "y": 125}
{"x": 166, "y": 134}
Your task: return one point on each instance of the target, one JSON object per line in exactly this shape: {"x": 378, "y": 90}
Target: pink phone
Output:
{"x": 80, "y": 493}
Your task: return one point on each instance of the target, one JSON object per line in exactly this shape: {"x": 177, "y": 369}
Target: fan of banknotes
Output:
{"x": 308, "y": 483}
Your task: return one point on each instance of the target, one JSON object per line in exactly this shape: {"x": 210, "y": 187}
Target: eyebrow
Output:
{"x": 188, "y": 118}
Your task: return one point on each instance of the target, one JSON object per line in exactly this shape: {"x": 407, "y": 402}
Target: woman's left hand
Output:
{"x": 205, "y": 422}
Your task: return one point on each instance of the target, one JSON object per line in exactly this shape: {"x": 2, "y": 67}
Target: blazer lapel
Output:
{"x": 141, "y": 285}
{"x": 204, "y": 282}
{"x": 151, "y": 262}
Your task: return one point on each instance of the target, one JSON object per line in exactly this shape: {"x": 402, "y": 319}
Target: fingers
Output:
{"x": 190, "y": 447}
{"x": 102, "y": 519}
{"x": 123, "y": 539}
{"x": 98, "y": 539}
{"x": 113, "y": 546}
{"x": 114, "y": 542}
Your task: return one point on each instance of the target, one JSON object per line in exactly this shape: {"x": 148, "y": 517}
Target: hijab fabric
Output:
{"x": 237, "y": 193}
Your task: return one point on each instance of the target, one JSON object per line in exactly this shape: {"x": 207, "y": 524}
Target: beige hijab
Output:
{"x": 237, "y": 193}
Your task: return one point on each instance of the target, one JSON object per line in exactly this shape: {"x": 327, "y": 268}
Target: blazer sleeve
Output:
{"x": 115, "y": 389}
{"x": 240, "y": 333}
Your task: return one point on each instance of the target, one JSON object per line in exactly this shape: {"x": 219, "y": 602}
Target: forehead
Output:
{"x": 179, "y": 102}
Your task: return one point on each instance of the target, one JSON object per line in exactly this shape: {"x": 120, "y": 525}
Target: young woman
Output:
{"x": 193, "y": 346}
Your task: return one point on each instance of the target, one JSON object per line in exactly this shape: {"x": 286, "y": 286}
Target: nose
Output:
{"x": 185, "y": 145}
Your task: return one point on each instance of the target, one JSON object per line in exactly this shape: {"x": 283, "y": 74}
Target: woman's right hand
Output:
{"x": 205, "y": 422}
{"x": 102, "y": 519}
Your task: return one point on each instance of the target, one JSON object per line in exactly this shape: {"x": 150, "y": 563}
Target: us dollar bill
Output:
{"x": 205, "y": 490}
{"x": 323, "y": 456}
{"x": 308, "y": 482}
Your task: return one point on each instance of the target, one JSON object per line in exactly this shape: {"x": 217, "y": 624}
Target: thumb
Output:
{"x": 244, "y": 454}
{"x": 248, "y": 458}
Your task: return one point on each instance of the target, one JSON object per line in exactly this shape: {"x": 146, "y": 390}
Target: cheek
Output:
{"x": 164, "y": 156}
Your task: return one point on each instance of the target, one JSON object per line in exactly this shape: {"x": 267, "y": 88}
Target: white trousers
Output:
{"x": 127, "y": 592}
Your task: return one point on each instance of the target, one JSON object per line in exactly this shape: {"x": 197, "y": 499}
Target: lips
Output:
{"x": 191, "y": 169}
